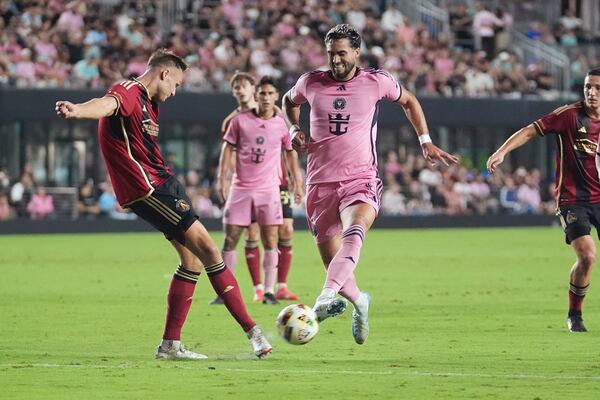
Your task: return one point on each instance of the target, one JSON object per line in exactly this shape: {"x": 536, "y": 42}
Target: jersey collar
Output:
{"x": 144, "y": 86}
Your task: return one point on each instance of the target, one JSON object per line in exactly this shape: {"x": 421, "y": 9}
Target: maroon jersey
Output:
{"x": 577, "y": 139}
{"x": 128, "y": 140}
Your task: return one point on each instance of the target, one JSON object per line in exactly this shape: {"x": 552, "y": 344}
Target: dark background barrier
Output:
{"x": 21, "y": 226}
{"x": 189, "y": 107}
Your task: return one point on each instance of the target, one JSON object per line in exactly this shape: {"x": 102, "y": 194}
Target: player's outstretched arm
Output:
{"x": 224, "y": 171}
{"x": 92, "y": 109}
{"x": 518, "y": 139}
{"x": 291, "y": 114}
{"x": 414, "y": 112}
{"x": 294, "y": 165}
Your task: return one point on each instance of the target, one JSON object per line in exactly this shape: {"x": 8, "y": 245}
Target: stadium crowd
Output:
{"x": 78, "y": 44}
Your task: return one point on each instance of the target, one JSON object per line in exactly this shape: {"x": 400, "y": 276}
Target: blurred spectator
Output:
{"x": 392, "y": 200}
{"x": 203, "y": 205}
{"x": 87, "y": 204}
{"x": 109, "y": 206}
{"x": 20, "y": 191}
{"x": 6, "y": 211}
{"x": 41, "y": 204}
{"x": 485, "y": 25}
{"x": 509, "y": 200}
{"x": 528, "y": 195}
{"x": 461, "y": 24}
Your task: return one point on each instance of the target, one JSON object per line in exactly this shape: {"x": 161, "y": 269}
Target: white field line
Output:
{"x": 315, "y": 372}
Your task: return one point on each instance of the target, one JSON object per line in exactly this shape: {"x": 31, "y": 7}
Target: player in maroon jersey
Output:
{"x": 127, "y": 130}
{"x": 577, "y": 191}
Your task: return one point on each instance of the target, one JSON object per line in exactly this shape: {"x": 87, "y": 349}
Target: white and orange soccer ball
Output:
{"x": 297, "y": 324}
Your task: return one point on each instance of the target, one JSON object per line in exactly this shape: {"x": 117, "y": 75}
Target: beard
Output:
{"x": 348, "y": 69}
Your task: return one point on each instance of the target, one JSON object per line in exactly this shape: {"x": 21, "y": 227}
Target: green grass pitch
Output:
{"x": 456, "y": 314}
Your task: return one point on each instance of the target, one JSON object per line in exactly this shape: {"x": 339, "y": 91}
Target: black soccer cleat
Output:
{"x": 575, "y": 323}
{"x": 269, "y": 298}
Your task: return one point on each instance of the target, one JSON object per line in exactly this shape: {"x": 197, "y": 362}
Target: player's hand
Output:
{"x": 299, "y": 142}
{"x": 224, "y": 187}
{"x": 434, "y": 154}
{"x": 495, "y": 159}
{"x": 66, "y": 109}
{"x": 298, "y": 194}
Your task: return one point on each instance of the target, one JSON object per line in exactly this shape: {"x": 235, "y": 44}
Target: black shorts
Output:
{"x": 168, "y": 209}
{"x": 286, "y": 202}
{"x": 577, "y": 220}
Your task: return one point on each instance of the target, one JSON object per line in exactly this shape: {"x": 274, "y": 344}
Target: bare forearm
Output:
{"x": 292, "y": 161}
{"x": 225, "y": 161}
{"x": 291, "y": 111}
{"x": 414, "y": 112}
{"x": 97, "y": 108}
{"x": 517, "y": 139}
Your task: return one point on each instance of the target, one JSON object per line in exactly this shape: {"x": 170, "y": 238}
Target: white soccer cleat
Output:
{"x": 260, "y": 345}
{"x": 360, "y": 318}
{"x": 326, "y": 307}
{"x": 175, "y": 350}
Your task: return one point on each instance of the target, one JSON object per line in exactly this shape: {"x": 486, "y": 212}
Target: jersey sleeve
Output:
{"x": 298, "y": 91}
{"x": 233, "y": 132}
{"x": 125, "y": 94}
{"x": 551, "y": 123}
{"x": 389, "y": 89}
{"x": 227, "y": 122}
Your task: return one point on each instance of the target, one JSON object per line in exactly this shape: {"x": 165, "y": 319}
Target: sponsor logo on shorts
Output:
{"x": 182, "y": 206}
{"x": 570, "y": 218}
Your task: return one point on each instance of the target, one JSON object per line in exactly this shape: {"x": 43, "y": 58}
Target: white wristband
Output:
{"x": 293, "y": 129}
{"x": 425, "y": 139}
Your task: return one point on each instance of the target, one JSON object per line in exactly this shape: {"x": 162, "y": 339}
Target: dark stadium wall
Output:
{"x": 187, "y": 107}
{"x": 25, "y": 226}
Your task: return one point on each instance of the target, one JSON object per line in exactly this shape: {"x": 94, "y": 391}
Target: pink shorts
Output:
{"x": 325, "y": 202}
{"x": 243, "y": 206}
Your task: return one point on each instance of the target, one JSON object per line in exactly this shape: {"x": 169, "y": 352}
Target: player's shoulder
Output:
{"x": 239, "y": 115}
{"x": 376, "y": 73}
{"x": 126, "y": 84}
{"x": 230, "y": 116}
{"x": 315, "y": 75}
{"x": 568, "y": 109}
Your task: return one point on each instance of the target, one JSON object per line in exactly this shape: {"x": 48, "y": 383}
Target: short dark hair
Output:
{"x": 166, "y": 58}
{"x": 344, "y": 31}
{"x": 594, "y": 72}
{"x": 241, "y": 76}
{"x": 267, "y": 80}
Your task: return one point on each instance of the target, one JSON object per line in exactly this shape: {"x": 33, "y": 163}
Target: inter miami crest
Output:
{"x": 339, "y": 103}
{"x": 260, "y": 140}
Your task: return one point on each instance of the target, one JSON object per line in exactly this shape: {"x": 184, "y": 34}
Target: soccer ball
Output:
{"x": 297, "y": 324}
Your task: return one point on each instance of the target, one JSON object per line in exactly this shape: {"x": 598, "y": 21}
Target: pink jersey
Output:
{"x": 259, "y": 143}
{"x": 343, "y": 122}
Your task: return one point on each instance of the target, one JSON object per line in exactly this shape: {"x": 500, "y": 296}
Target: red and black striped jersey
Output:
{"x": 577, "y": 134}
{"x": 128, "y": 140}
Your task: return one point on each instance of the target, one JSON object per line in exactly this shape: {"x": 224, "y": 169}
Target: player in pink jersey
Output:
{"x": 258, "y": 137}
{"x": 128, "y": 129}
{"x": 343, "y": 189}
{"x": 243, "y": 89}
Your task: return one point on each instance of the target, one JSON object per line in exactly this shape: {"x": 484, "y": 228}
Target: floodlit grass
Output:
{"x": 463, "y": 314}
